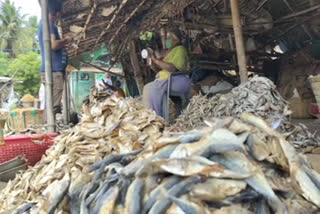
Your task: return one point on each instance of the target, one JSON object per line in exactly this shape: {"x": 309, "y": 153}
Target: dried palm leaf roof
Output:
{"x": 115, "y": 22}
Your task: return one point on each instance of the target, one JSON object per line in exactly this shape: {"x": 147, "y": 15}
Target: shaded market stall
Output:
{"x": 121, "y": 151}
{"x": 117, "y": 23}
{"x": 278, "y": 36}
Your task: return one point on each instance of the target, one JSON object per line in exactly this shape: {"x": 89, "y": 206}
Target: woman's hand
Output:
{"x": 154, "y": 58}
{"x": 163, "y": 65}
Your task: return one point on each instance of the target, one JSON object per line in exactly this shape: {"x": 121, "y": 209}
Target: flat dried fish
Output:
{"x": 235, "y": 165}
{"x": 76, "y": 149}
{"x": 259, "y": 97}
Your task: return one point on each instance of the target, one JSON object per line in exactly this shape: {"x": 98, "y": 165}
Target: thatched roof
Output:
{"x": 115, "y": 22}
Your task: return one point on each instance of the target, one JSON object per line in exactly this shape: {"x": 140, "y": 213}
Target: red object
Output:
{"x": 314, "y": 109}
{"x": 24, "y": 145}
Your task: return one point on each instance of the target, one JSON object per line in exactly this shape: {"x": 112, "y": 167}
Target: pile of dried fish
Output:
{"x": 258, "y": 96}
{"x": 232, "y": 166}
{"x": 300, "y": 136}
{"x": 109, "y": 125}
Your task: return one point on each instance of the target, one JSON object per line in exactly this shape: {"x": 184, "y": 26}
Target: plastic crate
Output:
{"x": 24, "y": 145}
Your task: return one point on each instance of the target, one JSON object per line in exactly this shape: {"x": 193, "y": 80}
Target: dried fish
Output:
{"x": 187, "y": 206}
{"x": 235, "y": 165}
{"x": 134, "y": 197}
{"x": 54, "y": 194}
{"x": 162, "y": 205}
{"x": 107, "y": 201}
{"x": 259, "y": 97}
{"x": 217, "y": 189}
{"x": 76, "y": 149}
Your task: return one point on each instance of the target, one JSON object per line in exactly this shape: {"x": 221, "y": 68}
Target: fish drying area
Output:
{"x": 245, "y": 142}
{"x": 122, "y": 158}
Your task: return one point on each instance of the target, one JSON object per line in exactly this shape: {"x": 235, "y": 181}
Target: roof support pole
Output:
{"x": 241, "y": 53}
{"x": 136, "y": 67}
{"x": 66, "y": 98}
{"x": 48, "y": 68}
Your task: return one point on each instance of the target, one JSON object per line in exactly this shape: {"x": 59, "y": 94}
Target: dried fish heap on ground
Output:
{"x": 258, "y": 96}
{"x": 109, "y": 125}
{"x": 233, "y": 166}
{"x": 300, "y": 136}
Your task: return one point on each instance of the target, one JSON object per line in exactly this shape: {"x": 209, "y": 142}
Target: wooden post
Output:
{"x": 241, "y": 53}
{"x": 66, "y": 106}
{"x": 136, "y": 67}
{"x": 163, "y": 34}
{"x": 48, "y": 67}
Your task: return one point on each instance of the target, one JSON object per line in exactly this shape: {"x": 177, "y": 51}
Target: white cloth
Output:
{"x": 108, "y": 81}
{"x": 100, "y": 84}
{"x": 42, "y": 97}
{"x": 221, "y": 86}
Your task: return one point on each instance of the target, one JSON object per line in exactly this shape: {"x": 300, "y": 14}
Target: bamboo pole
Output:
{"x": 242, "y": 60}
{"x": 302, "y": 12}
{"x": 48, "y": 68}
{"x": 66, "y": 107}
{"x": 136, "y": 67}
{"x": 102, "y": 69}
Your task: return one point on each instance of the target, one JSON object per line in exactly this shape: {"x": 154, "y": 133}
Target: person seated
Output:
{"x": 174, "y": 60}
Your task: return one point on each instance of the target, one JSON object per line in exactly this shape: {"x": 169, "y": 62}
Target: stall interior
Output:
{"x": 281, "y": 39}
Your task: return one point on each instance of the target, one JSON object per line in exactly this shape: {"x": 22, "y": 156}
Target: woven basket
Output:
{"x": 21, "y": 119}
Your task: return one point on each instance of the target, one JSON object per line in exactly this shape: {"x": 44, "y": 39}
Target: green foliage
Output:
{"x": 4, "y": 63}
{"x": 29, "y": 72}
{"x": 11, "y": 21}
{"x": 18, "y": 33}
{"x": 26, "y": 37}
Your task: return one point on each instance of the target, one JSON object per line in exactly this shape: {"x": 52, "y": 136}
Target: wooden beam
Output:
{"x": 302, "y": 12}
{"x": 303, "y": 26}
{"x": 102, "y": 69}
{"x": 261, "y": 5}
{"x": 48, "y": 67}
{"x": 294, "y": 26}
{"x": 241, "y": 53}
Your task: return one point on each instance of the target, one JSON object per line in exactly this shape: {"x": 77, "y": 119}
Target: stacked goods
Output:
{"x": 27, "y": 101}
{"x": 109, "y": 125}
{"x": 27, "y": 98}
{"x": 231, "y": 166}
{"x": 23, "y": 118}
{"x": 258, "y": 96}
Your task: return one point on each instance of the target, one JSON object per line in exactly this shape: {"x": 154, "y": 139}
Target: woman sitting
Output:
{"x": 174, "y": 60}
